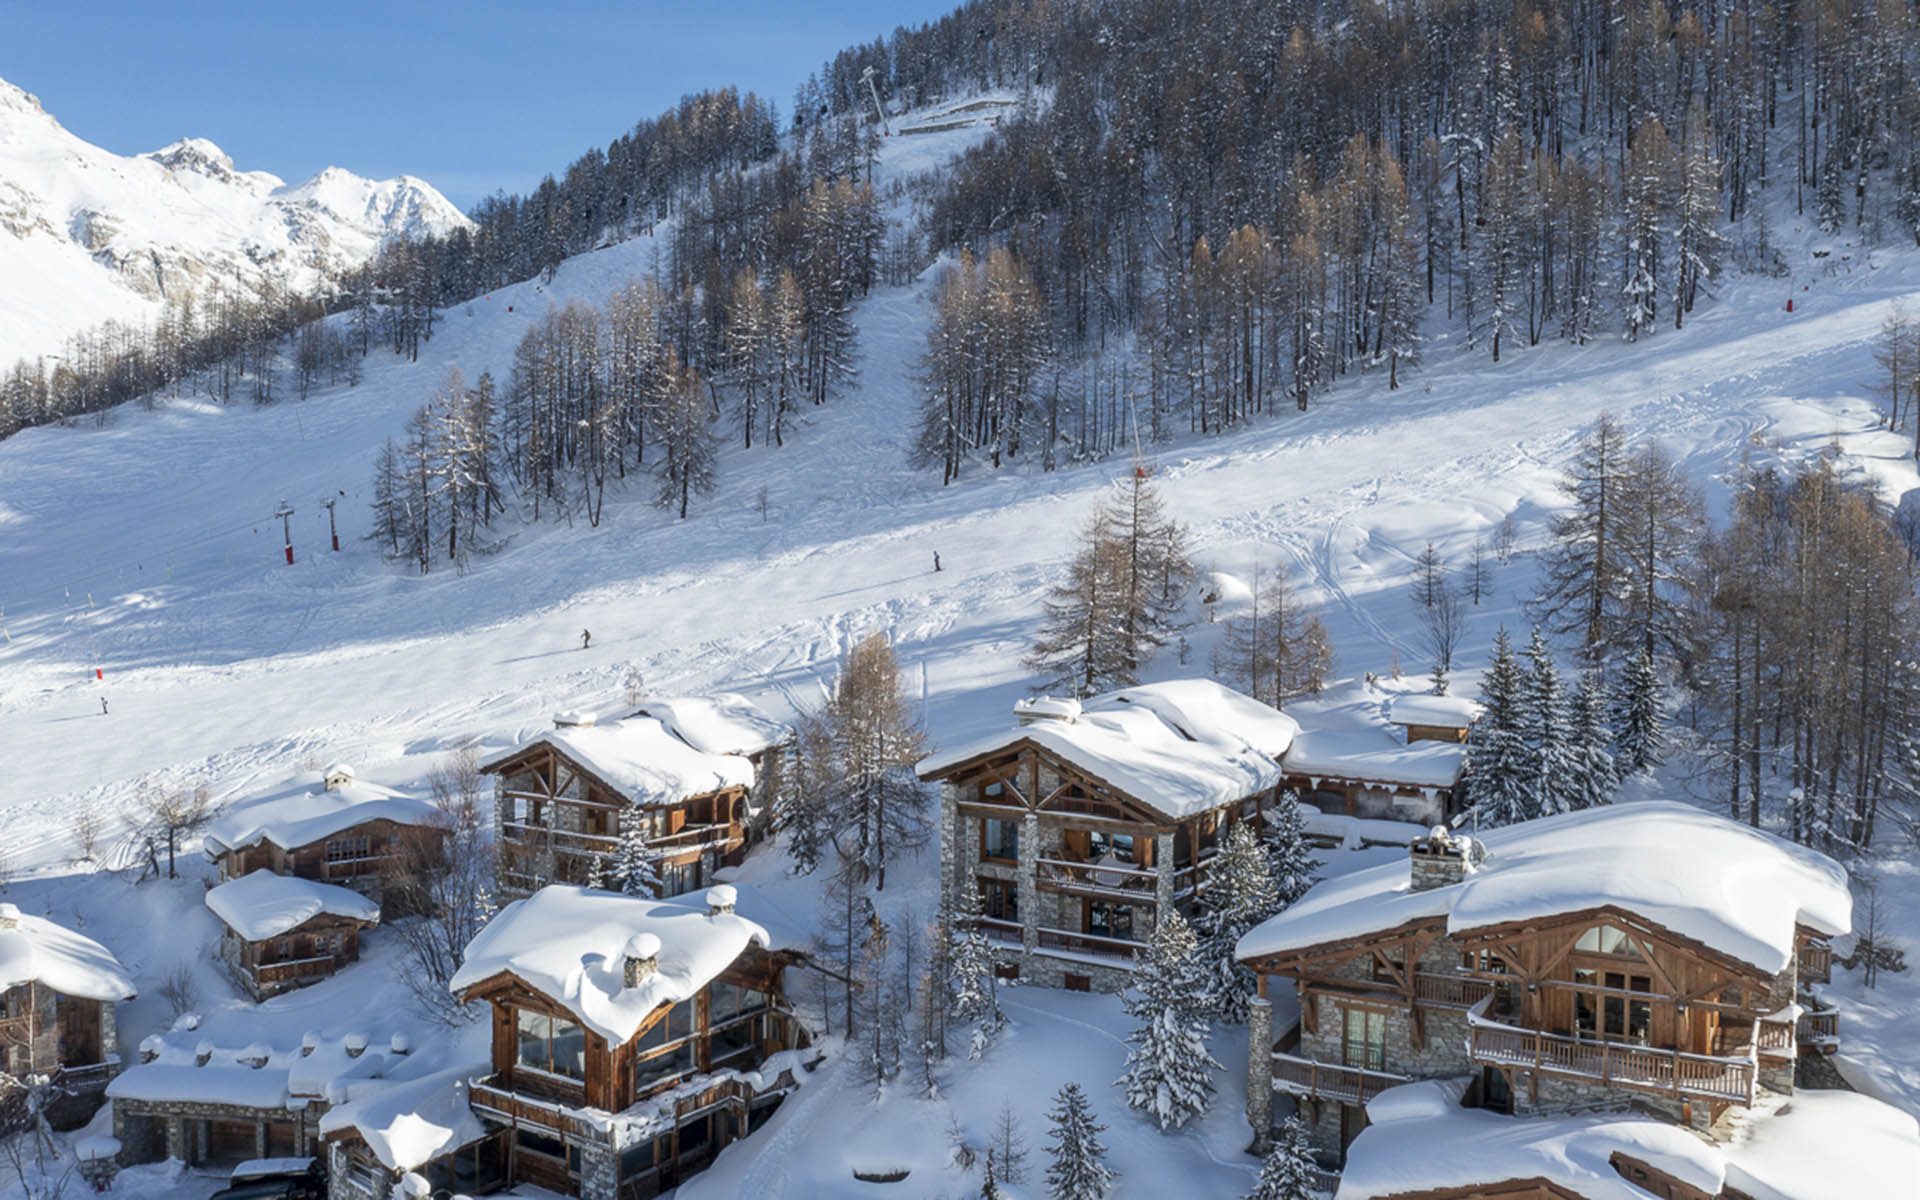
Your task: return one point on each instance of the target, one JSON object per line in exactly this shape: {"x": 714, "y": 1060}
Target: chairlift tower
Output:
{"x": 285, "y": 513}
{"x": 873, "y": 90}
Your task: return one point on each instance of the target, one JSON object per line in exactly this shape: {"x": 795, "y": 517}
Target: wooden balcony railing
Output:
{"x": 562, "y": 840}
{"x": 1774, "y": 1037}
{"x": 1615, "y": 1064}
{"x": 1103, "y": 878}
{"x": 296, "y": 968}
{"x": 1118, "y": 949}
{"x": 520, "y": 1108}
{"x": 1819, "y": 1031}
{"x": 1436, "y": 990}
{"x": 1816, "y": 962}
{"x": 1328, "y": 1081}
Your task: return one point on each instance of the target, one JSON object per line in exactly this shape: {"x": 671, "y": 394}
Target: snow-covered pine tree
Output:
{"x": 1638, "y": 728}
{"x": 1288, "y": 1172}
{"x": 1290, "y": 861}
{"x": 1544, "y": 729}
{"x": 973, "y": 996}
{"x": 1499, "y": 771}
{"x": 1078, "y": 1170}
{"x": 1008, "y": 1150}
{"x": 1167, "y": 1075}
{"x": 1240, "y": 894}
{"x": 1591, "y": 761}
{"x": 633, "y": 861}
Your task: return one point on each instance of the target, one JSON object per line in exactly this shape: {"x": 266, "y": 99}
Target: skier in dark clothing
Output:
{"x": 586, "y": 638}
{"x": 936, "y": 562}
{"x": 103, "y": 706}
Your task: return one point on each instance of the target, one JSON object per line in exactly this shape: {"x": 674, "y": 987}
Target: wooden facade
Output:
{"x": 690, "y": 1067}
{"x": 1073, "y": 873}
{"x": 358, "y": 856}
{"x": 559, "y": 823}
{"x": 305, "y": 954}
{"x": 70, "y": 1039}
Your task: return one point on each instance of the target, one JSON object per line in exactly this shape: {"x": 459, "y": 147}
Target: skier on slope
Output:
{"x": 936, "y": 562}
{"x": 586, "y": 638}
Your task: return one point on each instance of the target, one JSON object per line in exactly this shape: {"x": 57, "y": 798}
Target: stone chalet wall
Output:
{"x": 185, "y": 1131}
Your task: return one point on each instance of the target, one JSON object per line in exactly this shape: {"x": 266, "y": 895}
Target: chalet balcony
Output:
{"x": 1818, "y": 1031}
{"x": 1121, "y": 951}
{"x": 294, "y": 969}
{"x": 1315, "y": 1080}
{"x": 562, "y": 840}
{"x": 1615, "y": 1064}
{"x": 1816, "y": 962}
{"x": 1104, "y": 878}
{"x": 490, "y": 1097}
{"x": 1774, "y": 1037}
{"x": 1436, "y": 990}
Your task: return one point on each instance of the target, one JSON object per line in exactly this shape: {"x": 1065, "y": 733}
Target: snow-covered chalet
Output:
{"x": 687, "y": 769}
{"x": 1649, "y": 956}
{"x": 58, "y": 996}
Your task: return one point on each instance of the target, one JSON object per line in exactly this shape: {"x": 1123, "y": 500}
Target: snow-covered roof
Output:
{"x": 641, "y": 758}
{"x": 264, "y": 905}
{"x": 1180, "y": 748}
{"x": 1420, "y": 1140}
{"x": 723, "y": 723}
{"x": 256, "y": 1075}
{"x": 308, "y": 812}
{"x": 1733, "y": 888}
{"x": 1425, "y": 708}
{"x": 1376, "y": 757}
{"x": 1827, "y": 1144}
{"x": 35, "y": 949}
{"x": 408, "y": 1123}
{"x": 567, "y": 943}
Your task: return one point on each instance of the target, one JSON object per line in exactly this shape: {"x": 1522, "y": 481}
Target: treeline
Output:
{"x": 1259, "y": 200}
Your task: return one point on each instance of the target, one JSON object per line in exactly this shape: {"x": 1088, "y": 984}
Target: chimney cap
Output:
{"x": 1047, "y": 708}
{"x": 721, "y": 897}
{"x": 337, "y": 775}
{"x": 573, "y": 717}
{"x": 642, "y": 946}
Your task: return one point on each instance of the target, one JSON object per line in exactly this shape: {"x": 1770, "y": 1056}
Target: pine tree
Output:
{"x": 1167, "y": 1073}
{"x": 1079, "y": 1170}
{"x": 1544, "y": 729}
{"x": 1289, "y": 1172}
{"x": 1499, "y": 772}
{"x": 1290, "y": 861}
{"x": 1637, "y": 721}
{"x": 1593, "y": 777}
{"x": 1082, "y": 643}
{"x": 1240, "y": 894}
{"x": 973, "y": 996}
{"x": 633, "y": 861}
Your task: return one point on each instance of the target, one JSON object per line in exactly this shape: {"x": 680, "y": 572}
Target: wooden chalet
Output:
{"x": 1349, "y": 761}
{"x": 281, "y": 932}
{"x": 58, "y": 997}
{"x": 565, "y": 796}
{"x": 339, "y": 829}
{"x": 1555, "y": 965}
{"x": 632, "y": 1039}
{"x": 1086, "y": 822}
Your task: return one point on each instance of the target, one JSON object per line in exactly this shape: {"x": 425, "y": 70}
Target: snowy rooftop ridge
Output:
{"x": 1180, "y": 747}
{"x": 34, "y": 949}
{"x": 1425, "y": 708}
{"x": 569, "y": 943}
{"x": 1734, "y": 889}
{"x": 665, "y": 750}
{"x": 309, "y": 811}
{"x": 184, "y": 1065}
{"x": 407, "y": 1123}
{"x": 264, "y": 905}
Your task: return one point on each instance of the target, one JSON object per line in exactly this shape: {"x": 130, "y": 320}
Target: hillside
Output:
{"x": 88, "y": 236}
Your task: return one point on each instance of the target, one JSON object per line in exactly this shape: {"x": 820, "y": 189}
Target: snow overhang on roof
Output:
{"x": 34, "y": 949}
{"x": 1179, "y": 748}
{"x": 640, "y": 758}
{"x": 568, "y": 944}
{"x": 722, "y": 723}
{"x": 1424, "y": 708}
{"x": 309, "y": 812}
{"x": 263, "y": 905}
{"x": 1734, "y": 889}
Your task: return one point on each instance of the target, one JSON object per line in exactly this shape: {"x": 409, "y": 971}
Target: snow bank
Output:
{"x": 307, "y": 812}
{"x": 184, "y": 1067}
{"x": 264, "y": 905}
{"x": 1181, "y": 748}
{"x": 1375, "y": 757}
{"x": 411, "y": 1122}
{"x": 642, "y": 759}
{"x": 567, "y": 942}
{"x": 35, "y": 949}
{"x": 1736, "y": 889}
{"x": 1423, "y": 708}
{"x": 1828, "y": 1146}
{"x": 723, "y": 723}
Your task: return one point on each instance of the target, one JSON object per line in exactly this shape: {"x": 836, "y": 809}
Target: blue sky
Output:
{"x": 469, "y": 96}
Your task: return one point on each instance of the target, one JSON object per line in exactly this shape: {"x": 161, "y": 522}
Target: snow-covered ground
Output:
{"x": 146, "y": 551}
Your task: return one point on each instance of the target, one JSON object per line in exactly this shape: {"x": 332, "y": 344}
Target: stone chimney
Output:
{"x": 254, "y": 1056}
{"x": 1440, "y": 860}
{"x": 337, "y": 776}
{"x": 640, "y": 959}
{"x": 203, "y": 1054}
{"x": 356, "y": 1044}
{"x": 399, "y": 1045}
{"x": 1047, "y": 708}
{"x": 151, "y": 1046}
{"x": 721, "y": 898}
{"x": 309, "y": 1042}
{"x": 573, "y": 718}
{"x": 9, "y": 916}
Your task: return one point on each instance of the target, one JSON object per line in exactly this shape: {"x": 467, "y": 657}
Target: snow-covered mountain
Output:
{"x": 87, "y": 235}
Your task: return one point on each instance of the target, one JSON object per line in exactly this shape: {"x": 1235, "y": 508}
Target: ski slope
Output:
{"x": 145, "y": 550}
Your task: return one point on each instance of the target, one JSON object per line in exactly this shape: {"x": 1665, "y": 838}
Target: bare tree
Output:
{"x": 173, "y": 814}
{"x": 1441, "y": 624}
{"x": 442, "y": 879}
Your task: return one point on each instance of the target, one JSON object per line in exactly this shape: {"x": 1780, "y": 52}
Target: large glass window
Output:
{"x": 1000, "y": 900}
{"x": 551, "y": 1044}
{"x": 1000, "y": 839}
{"x": 668, "y": 1064}
{"x": 1110, "y": 920}
{"x": 1366, "y": 1039}
{"x": 736, "y": 1038}
{"x": 726, "y": 1001}
{"x": 1605, "y": 939}
{"x": 1116, "y": 845}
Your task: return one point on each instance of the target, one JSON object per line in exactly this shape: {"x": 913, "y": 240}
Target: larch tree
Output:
{"x": 1277, "y": 649}
{"x": 1585, "y": 565}
{"x": 686, "y": 437}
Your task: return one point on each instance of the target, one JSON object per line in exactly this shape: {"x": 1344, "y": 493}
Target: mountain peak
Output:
{"x": 194, "y": 154}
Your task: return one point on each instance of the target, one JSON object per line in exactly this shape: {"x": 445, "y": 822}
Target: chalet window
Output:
{"x": 347, "y": 849}
{"x": 636, "y": 1160}
{"x": 1000, "y": 899}
{"x": 1000, "y": 839}
{"x": 1110, "y": 920}
{"x": 549, "y": 1147}
{"x": 726, "y": 1001}
{"x": 1365, "y": 1042}
{"x": 554, "y": 1045}
{"x": 1605, "y": 939}
{"x": 1482, "y": 962}
{"x": 670, "y": 1063}
{"x": 738, "y": 1036}
{"x": 1327, "y": 801}
{"x": 1118, "y": 845}
{"x": 1603, "y": 1008}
